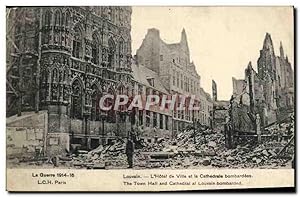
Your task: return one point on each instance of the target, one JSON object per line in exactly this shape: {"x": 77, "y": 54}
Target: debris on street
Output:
{"x": 189, "y": 149}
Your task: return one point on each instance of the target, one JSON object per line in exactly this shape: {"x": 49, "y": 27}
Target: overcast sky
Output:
{"x": 222, "y": 40}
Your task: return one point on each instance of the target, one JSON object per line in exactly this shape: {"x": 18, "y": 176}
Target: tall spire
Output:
{"x": 281, "y": 50}
{"x": 183, "y": 40}
{"x": 183, "y": 36}
{"x": 250, "y": 65}
{"x": 268, "y": 44}
{"x": 266, "y": 62}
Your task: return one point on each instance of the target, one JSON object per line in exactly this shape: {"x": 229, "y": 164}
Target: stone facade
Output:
{"x": 178, "y": 75}
{"x": 63, "y": 59}
{"x": 70, "y": 56}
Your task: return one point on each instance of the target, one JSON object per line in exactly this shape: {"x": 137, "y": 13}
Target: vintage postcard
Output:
{"x": 133, "y": 98}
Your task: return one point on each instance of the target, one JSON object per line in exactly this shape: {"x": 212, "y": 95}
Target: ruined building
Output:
{"x": 269, "y": 91}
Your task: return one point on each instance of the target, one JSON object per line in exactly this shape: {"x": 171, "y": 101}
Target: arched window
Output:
{"x": 111, "y": 52}
{"x": 47, "y": 18}
{"x": 65, "y": 23}
{"x": 109, "y": 14}
{"x": 77, "y": 43}
{"x": 47, "y": 23}
{"x": 54, "y": 76}
{"x": 67, "y": 19}
{"x": 95, "y": 49}
{"x": 65, "y": 76}
{"x": 63, "y": 35}
{"x": 63, "y": 19}
{"x": 76, "y": 100}
{"x": 121, "y": 53}
{"x": 95, "y": 111}
{"x": 57, "y": 20}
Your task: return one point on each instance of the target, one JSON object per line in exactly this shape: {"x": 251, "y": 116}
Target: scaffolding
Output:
{"x": 20, "y": 61}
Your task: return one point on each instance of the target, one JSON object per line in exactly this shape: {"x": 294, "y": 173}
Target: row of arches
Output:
{"x": 60, "y": 21}
{"x": 54, "y": 84}
{"x": 58, "y": 18}
{"x": 114, "y": 55}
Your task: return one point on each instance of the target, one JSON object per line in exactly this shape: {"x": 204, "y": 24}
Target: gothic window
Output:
{"x": 95, "y": 49}
{"x": 76, "y": 100}
{"x": 47, "y": 18}
{"x": 95, "y": 111}
{"x": 111, "y": 52}
{"x": 65, "y": 76}
{"x": 54, "y": 76}
{"x": 63, "y": 19}
{"x": 47, "y": 23}
{"x": 67, "y": 19}
{"x": 109, "y": 13}
{"x": 57, "y": 22}
{"x": 63, "y": 35}
{"x": 66, "y": 23}
{"x": 121, "y": 16}
{"x": 77, "y": 43}
{"x": 121, "y": 52}
{"x": 121, "y": 47}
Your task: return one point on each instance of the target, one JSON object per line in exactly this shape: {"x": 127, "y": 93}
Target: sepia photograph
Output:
{"x": 138, "y": 88}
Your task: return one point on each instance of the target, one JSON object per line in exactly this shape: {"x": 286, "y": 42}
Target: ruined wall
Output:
{"x": 149, "y": 52}
{"x": 26, "y": 134}
{"x": 270, "y": 90}
{"x": 241, "y": 91}
{"x": 241, "y": 120}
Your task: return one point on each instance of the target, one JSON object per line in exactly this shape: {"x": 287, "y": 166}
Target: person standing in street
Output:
{"x": 130, "y": 152}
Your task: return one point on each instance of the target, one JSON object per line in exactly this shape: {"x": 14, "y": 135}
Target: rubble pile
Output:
{"x": 103, "y": 156}
{"x": 190, "y": 149}
{"x": 207, "y": 148}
